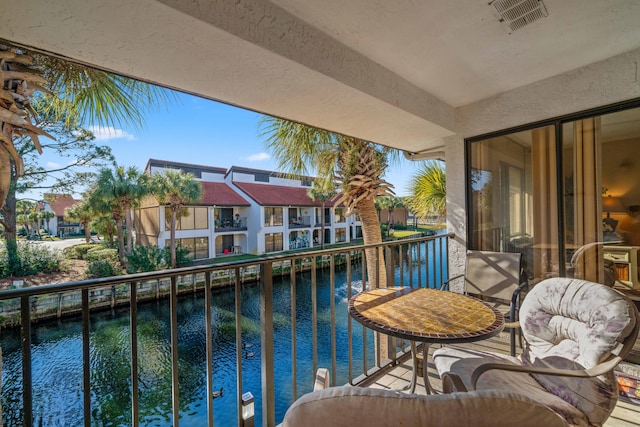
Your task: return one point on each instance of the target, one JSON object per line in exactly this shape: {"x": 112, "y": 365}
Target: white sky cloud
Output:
{"x": 105, "y": 133}
{"x": 52, "y": 165}
{"x": 258, "y": 157}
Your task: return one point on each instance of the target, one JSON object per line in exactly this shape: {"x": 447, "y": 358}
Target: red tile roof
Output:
{"x": 220, "y": 194}
{"x": 278, "y": 195}
{"x": 60, "y": 202}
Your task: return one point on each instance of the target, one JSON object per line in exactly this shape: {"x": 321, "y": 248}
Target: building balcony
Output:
{"x": 123, "y": 360}
{"x": 300, "y": 222}
{"x": 224, "y": 225}
{"x": 327, "y": 221}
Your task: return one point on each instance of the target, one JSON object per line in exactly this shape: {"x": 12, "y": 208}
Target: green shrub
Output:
{"x": 182, "y": 257}
{"x": 32, "y": 259}
{"x": 152, "y": 258}
{"x": 79, "y": 251}
{"x": 100, "y": 252}
{"x": 102, "y": 268}
{"x": 146, "y": 258}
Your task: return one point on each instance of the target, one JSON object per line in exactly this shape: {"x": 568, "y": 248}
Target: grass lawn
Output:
{"x": 399, "y": 234}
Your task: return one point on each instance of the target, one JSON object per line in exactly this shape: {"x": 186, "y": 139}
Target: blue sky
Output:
{"x": 204, "y": 132}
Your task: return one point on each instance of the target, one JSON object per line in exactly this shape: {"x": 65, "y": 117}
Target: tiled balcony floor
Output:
{"x": 625, "y": 413}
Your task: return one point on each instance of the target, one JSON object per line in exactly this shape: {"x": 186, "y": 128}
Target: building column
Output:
{"x": 456, "y": 209}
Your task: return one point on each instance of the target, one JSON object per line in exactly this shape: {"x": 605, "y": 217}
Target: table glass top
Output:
{"x": 426, "y": 314}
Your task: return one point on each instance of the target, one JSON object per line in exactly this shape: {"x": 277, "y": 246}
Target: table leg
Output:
{"x": 425, "y": 371}
{"x": 414, "y": 360}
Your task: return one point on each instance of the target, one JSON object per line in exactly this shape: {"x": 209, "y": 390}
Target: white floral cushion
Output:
{"x": 575, "y": 324}
{"x": 567, "y": 324}
{"x": 574, "y": 319}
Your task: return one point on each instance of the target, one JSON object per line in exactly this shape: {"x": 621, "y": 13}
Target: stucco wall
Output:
{"x": 456, "y": 213}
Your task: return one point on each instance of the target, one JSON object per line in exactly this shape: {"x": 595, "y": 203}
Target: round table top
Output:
{"x": 427, "y": 315}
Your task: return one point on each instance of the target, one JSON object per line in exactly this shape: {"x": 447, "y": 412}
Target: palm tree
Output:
{"x": 357, "y": 166}
{"x": 175, "y": 190}
{"x": 47, "y": 216}
{"x": 75, "y": 94}
{"x": 394, "y": 203}
{"x": 322, "y": 190}
{"x": 428, "y": 191}
{"x": 104, "y": 225}
{"x": 102, "y": 203}
{"x": 34, "y": 218}
{"x": 24, "y": 209}
{"x": 115, "y": 192}
{"x": 82, "y": 213}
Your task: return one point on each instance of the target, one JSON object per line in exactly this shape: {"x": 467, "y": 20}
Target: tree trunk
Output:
{"x": 121, "y": 254}
{"x": 9, "y": 222}
{"x": 87, "y": 232}
{"x": 371, "y": 234}
{"x": 172, "y": 237}
{"x": 128, "y": 222}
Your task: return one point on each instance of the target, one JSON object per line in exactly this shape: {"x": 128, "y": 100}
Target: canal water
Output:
{"x": 57, "y": 355}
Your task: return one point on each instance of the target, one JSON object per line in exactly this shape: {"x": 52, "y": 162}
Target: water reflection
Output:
{"x": 57, "y": 356}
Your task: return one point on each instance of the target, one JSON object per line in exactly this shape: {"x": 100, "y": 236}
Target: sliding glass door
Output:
{"x": 566, "y": 195}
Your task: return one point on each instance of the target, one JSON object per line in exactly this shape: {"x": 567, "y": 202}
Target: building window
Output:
{"x": 262, "y": 177}
{"x": 273, "y": 242}
{"x": 341, "y": 235}
{"x": 339, "y": 215}
{"x": 198, "y": 247}
{"x": 188, "y": 218}
{"x": 272, "y": 217}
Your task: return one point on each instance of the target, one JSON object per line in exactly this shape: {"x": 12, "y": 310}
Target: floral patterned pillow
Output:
{"x": 575, "y": 324}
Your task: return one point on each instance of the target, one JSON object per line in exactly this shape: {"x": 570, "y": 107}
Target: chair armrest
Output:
{"x": 322, "y": 379}
{"x": 514, "y": 300}
{"x": 599, "y": 369}
{"x": 451, "y": 381}
{"x": 445, "y": 284}
{"x": 512, "y": 325}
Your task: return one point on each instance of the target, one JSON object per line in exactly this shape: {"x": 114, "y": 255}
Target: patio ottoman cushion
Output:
{"x": 349, "y": 406}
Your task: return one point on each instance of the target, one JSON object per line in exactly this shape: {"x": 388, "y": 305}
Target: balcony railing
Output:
{"x": 414, "y": 262}
{"x": 300, "y": 222}
{"x": 327, "y": 220}
{"x": 231, "y": 224}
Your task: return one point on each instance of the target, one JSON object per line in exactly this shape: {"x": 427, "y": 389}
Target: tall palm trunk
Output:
{"x": 87, "y": 231}
{"x": 128, "y": 223}
{"x": 9, "y": 223}
{"x": 376, "y": 272}
{"x": 121, "y": 253}
{"x": 172, "y": 237}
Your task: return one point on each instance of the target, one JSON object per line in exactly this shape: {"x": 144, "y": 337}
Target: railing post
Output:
{"x": 294, "y": 354}
{"x": 209, "y": 344}
{"x": 239, "y": 347}
{"x": 133, "y": 331}
{"x": 175, "y": 383}
{"x": 266, "y": 345}
{"x": 86, "y": 358}
{"x": 27, "y": 391}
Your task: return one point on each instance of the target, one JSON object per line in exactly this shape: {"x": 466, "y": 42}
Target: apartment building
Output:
{"x": 244, "y": 210}
{"x": 60, "y": 225}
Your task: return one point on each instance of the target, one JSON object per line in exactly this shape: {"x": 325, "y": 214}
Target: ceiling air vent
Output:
{"x": 515, "y": 14}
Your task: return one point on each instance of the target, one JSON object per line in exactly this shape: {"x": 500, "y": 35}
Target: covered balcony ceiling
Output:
{"x": 403, "y": 73}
